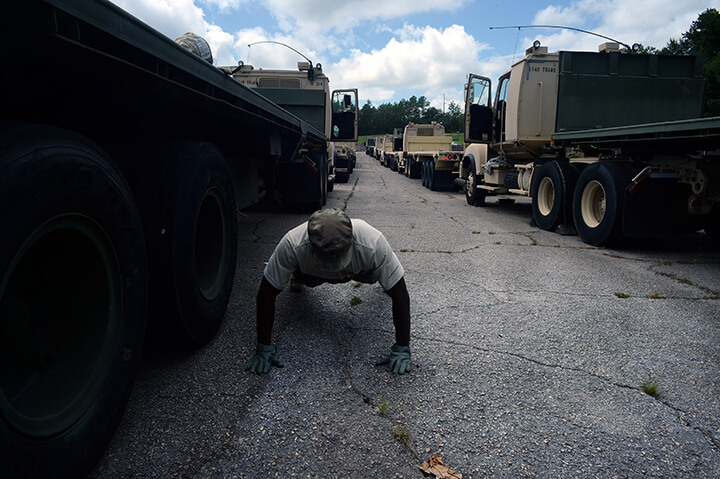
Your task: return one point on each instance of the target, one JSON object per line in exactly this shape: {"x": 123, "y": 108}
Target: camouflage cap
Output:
{"x": 330, "y": 233}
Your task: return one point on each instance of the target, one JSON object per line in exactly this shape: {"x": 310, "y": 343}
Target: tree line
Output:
{"x": 387, "y": 116}
{"x": 702, "y": 39}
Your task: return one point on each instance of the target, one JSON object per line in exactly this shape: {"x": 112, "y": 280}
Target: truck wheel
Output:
{"x": 423, "y": 174}
{"x": 73, "y": 297}
{"x": 432, "y": 180}
{"x": 598, "y": 202}
{"x": 415, "y": 170}
{"x": 473, "y": 195}
{"x": 552, "y": 193}
{"x": 188, "y": 210}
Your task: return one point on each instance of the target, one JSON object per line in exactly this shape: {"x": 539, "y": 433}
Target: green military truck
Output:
{"x": 608, "y": 144}
{"x": 123, "y": 161}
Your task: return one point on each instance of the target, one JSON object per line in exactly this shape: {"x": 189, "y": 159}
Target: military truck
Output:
{"x": 379, "y": 145}
{"x": 124, "y": 159}
{"x": 608, "y": 144}
{"x": 344, "y": 157}
{"x": 370, "y": 147}
{"x": 385, "y": 144}
{"x": 393, "y": 149}
{"x": 305, "y": 92}
{"x": 428, "y": 154}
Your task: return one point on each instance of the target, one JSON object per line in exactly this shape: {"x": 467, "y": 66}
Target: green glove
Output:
{"x": 263, "y": 359}
{"x": 398, "y": 361}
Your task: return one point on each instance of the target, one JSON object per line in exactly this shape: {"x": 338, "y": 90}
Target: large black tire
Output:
{"x": 73, "y": 297}
{"x": 191, "y": 229}
{"x": 473, "y": 195}
{"x": 431, "y": 180}
{"x": 598, "y": 202}
{"x": 552, "y": 195}
{"x": 423, "y": 174}
{"x": 415, "y": 169}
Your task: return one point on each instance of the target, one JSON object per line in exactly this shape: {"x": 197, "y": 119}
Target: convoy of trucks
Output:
{"x": 124, "y": 158}
{"x": 609, "y": 144}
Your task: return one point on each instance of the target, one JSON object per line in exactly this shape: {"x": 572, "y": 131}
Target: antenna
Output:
{"x": 283, "y": 44}
{"x": 311, "y": 70}
{"x": 630, "y": 49}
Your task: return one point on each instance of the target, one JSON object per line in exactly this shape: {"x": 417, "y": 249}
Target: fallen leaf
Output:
{"x": 435, "y": 466}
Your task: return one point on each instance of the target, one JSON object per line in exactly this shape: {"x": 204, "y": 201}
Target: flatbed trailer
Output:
{"x": 123, "y": 161}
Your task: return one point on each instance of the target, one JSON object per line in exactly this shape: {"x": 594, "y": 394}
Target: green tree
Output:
{"x": 703, "y": 39}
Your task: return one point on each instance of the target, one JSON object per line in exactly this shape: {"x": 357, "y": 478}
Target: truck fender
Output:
{"x": 477, "y": 152}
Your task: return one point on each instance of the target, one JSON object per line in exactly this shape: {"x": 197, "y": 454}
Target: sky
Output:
{"x": 394, "y": 49}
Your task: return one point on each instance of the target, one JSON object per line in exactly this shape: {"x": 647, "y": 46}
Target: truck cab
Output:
{"x": 521, "y": 120}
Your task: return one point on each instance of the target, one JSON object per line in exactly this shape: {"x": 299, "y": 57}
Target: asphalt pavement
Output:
{"x": 533, "y": 356}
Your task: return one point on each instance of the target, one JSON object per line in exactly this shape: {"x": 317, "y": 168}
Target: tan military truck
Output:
{"x": 392, "y": 153}
{"x": 344, "y": 158}
{"x": 386, "y": 146}
{"x": 305, "y": 92}
{"x": 379, "y": 146}
{"x": 428, "y": 154}
{"x": 608, "y": 144}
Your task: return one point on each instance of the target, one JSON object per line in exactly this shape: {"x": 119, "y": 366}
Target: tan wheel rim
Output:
{"x": 593, "y": 204}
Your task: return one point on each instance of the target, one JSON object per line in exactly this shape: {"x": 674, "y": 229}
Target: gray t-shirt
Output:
{"x": 373, "y": 260}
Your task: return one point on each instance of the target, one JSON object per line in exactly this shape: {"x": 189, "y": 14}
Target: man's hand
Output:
{"x": 398, "y": 361}
{"x": 263, "y": 359}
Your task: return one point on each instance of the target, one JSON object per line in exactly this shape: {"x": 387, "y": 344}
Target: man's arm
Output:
{"x": 266, "y": 311}
{"x": 264, "y": 357}
{"x": 401, "y": 312}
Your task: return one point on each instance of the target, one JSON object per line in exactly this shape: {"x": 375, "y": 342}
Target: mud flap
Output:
{"x": 648, "y": 206}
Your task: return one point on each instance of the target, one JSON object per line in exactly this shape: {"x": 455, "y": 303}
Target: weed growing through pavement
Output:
{"x": 655, "y": 296}
{"x": 651, "y": 387}
{"x": 384, "y": 406}
{"x": 622, "y": 295}
{"x": 402, "y": 434}
{"x": 355, "y": 301}
{"x": 357, "y": 284}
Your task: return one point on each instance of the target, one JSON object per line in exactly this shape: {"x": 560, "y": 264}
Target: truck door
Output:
{"x": 478, "y": 112}
{"x": 345, "y": 115}
{"x": 500, "y": 107}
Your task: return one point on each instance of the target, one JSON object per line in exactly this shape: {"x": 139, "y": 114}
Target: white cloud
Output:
{"x": 422, "y": 59}
{"x": 651, "y": 23}
{"x": 342, "y": 16}
{"x": 170, "y": 17}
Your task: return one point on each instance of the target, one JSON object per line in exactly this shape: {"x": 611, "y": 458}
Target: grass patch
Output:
{"x": 357, "y": 284}
{"x": 443, "y": 251}
{"x": 651, "y": 387}
{"x": 655, "y": 296}
{"x": 402, "y": 434}
{"x": 384, "y": 406}
{"x": 622, "y": 295}
{"x": 355, "y": 301}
